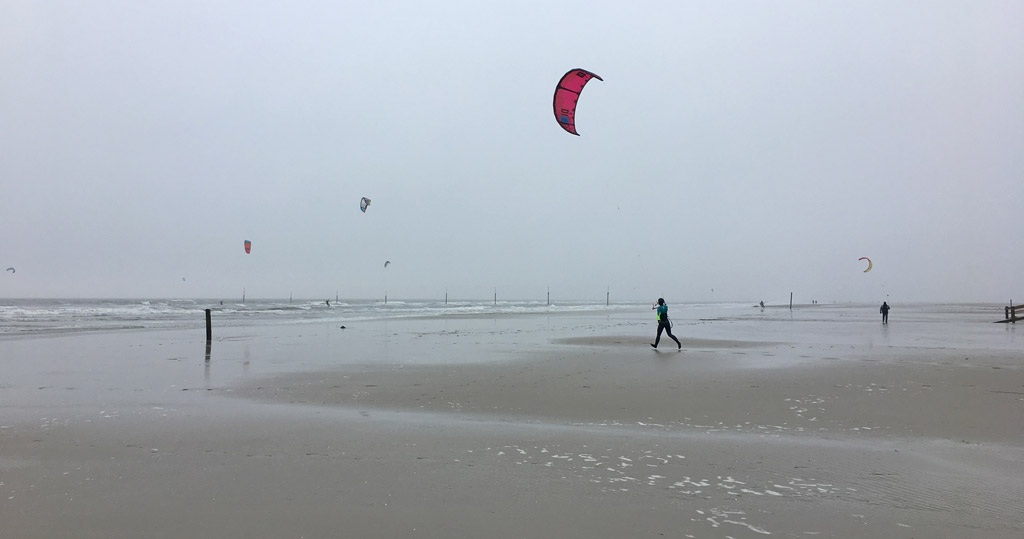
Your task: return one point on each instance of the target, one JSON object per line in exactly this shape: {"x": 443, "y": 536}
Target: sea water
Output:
{"x": 46, "y": 316}
{"x": 922, "y": 324}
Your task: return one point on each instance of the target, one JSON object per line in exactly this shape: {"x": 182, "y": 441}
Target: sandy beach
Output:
{"x": 819, "y": 422}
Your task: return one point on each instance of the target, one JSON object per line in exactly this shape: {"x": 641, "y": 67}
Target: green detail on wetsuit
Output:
{"x": 662, "y": 310}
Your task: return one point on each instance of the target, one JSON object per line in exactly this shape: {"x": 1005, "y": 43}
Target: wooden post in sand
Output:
{"x": 791, "y": 301}
{"x": 549, "y": 295}
{"x": 209, "y": 326}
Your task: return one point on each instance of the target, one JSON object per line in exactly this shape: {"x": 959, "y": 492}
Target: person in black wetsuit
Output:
{"x": 885, "y": 312}
{"x": 664, "y": 324}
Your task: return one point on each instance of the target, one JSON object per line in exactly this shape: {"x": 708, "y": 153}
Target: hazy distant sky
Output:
{"x": 735, "y": 151}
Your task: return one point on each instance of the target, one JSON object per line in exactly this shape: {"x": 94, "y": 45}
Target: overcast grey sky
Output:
{"x": 751, "y": 148}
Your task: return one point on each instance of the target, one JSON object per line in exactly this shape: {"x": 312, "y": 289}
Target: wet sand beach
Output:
{"x": 817, "y": 423}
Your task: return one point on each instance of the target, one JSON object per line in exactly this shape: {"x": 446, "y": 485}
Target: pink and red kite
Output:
{"x": 567, "y": 93}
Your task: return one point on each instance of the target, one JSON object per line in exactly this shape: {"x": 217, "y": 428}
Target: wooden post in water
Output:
{"x": 608, "y": 296}
{"x": 791, "y": 301}
{"x": 385, "y": 297}
{"x": 549, "y": 295}
{"x": 209, "y": 334}
{"x": 495, "y": 295}
{"x": 446, "y": 296}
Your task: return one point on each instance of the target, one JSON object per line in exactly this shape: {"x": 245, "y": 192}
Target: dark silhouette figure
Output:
{"x": 664, "y": 324}
{"x": 885, "y": 312}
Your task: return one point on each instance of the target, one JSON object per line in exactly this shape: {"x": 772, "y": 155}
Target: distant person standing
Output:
{"x": 664, "y": 324}
{"x": 885, "y": 312}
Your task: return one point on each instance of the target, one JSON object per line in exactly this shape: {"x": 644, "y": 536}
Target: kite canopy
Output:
{"x": 869, "y": 263}
{"x": 364, "y": 203}
{"x": 248, "y": 246}
{"x": 11, "y": 270}
{"x": 567, "y": 93}
{"x": 388, "y": 263}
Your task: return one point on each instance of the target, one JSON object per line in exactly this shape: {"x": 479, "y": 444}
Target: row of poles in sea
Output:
{"x": 607, "y": 296}
{"x": 209, "y": 318}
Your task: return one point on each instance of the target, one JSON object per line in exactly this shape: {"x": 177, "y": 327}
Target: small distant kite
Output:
{"x": 387, "y": 263}
{"x": 182, "y": 279}
{"x": 567, "y": 93}
{"x": 248, "y": 246}
{"x": 869, "y": 263}
{"x": 11, "y": 270}
{"x": 363, "y": 204}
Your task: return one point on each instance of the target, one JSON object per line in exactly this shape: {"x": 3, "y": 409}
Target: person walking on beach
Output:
{"x": 664, "y": 324}
{"x": 885, "y": 312}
